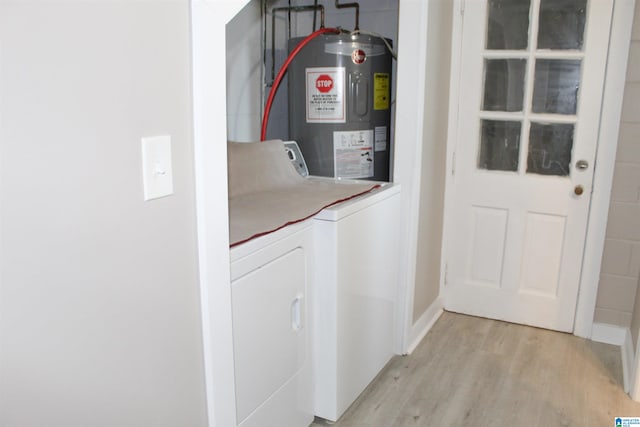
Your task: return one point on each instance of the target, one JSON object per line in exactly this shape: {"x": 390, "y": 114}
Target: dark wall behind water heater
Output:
{"x": 339, "y": 98}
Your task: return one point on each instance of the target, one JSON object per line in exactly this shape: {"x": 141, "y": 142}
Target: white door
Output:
{"x": 531, "y": 83}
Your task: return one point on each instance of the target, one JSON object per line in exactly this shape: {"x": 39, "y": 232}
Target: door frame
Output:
{"x": 209, "y": 19}
{"x": 208, "y": 32}
{"x": 617, "y": 55}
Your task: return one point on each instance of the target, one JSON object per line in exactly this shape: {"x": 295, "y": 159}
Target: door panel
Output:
{"x": 530, "y": 90}
{"x": 544, "y": 237}
{"x": 487, "y": 245}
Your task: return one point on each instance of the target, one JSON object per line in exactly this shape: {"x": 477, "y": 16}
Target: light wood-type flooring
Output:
{"x": 470, "y": 371}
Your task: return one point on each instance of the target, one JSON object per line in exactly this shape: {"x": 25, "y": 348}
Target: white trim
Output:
{"x": 452, "y": 138}
{"x": 627, "y": 360}
{"x": 620, "y": 336}
{"x": 603, "y": 175}
{"x": 208, "y": 21}
{"x": 424, "y": 324}
{"x": 634, "y": 383}
{"x": 608, "y": 334}
{"x": 412, "y": 52}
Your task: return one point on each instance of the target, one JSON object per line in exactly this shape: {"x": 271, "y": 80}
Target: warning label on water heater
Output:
{"x": 325, "y": 95}
{"x": 381, "y": 91}
{"x": 353, "y": 154}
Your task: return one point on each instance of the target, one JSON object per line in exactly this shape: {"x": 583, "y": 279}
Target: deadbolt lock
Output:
{"x": 578, "y": 190}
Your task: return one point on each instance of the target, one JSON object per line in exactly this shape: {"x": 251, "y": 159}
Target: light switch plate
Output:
{"x": 157, "y": 173}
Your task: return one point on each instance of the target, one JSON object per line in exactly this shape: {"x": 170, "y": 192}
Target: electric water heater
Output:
{"x": 340, "y": 105}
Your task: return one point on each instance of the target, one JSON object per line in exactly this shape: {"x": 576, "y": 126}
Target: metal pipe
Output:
{"x": 289, "y": 20}
{"x": 315, "y": 14}
{"x": 289, "y": 9}
{"x": 354, "y": 5}
{"x": 263, "y": 69}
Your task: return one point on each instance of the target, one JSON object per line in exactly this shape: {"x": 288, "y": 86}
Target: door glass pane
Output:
{"x": 561, "y": 24}
{"x": 550, "y": 148}
{"x": 504, "y": 84}
{"x": 499, "y": 145}
{"x": 556, "y": 86}
{"x": 508, "y": 26}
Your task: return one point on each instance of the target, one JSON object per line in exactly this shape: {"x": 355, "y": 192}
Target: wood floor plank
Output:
{"x": 480, "y": 372}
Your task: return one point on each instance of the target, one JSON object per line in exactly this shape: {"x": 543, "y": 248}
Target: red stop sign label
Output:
{"x": 324, "y": 83}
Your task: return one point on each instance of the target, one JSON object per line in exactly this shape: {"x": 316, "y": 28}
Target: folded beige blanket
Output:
{"x": 266, "y": 193}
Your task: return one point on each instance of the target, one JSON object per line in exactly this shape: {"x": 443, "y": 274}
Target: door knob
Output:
{"x": 582, "y": 165}
{"x": 578, "y": 190}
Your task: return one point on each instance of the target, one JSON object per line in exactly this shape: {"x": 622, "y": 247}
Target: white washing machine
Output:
{"x": 354, "y": 296}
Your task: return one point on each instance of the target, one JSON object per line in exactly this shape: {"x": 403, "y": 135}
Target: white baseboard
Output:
{"x": 634, "y": 375}
{"x": 620, "y": 336}
{"x": 608, "y": 334}
{"x": 424, "y": 324}
{"x": 628, "y": 360}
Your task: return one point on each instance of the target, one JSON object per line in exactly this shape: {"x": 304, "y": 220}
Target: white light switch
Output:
{"x": 156, "y": 167}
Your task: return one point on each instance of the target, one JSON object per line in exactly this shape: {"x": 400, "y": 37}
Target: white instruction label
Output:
{"x": 353, "y": 154}
{"x": 381, "y": 138}
{"x": 325, "y": 95}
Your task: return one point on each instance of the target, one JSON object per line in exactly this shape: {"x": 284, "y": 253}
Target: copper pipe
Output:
{"x": 354, "y": 5}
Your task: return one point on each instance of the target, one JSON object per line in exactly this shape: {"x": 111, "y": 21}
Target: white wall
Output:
{"x": 434, "y": 150}
{"x": 621, "y": 258}
{"x": 244, "y": 74}
{"x": 99, "y": 303}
